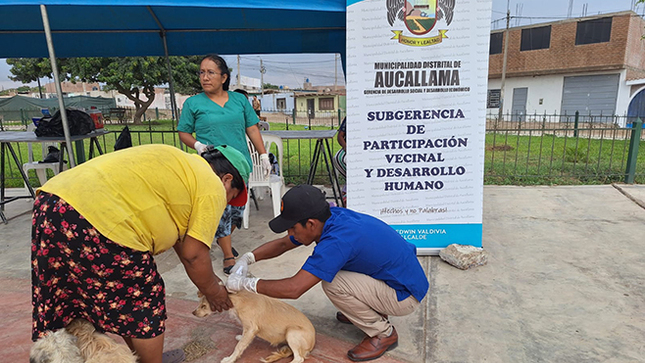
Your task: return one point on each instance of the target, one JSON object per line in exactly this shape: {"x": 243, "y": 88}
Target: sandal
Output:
{"x": 235, "y": 254}
{"x": 173, "y": 356}
{"x": 227, "y": 269}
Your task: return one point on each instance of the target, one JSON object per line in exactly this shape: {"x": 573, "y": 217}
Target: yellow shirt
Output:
{"x": 145, "y": 197}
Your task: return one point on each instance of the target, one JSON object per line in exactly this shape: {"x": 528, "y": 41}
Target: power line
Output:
{"x": 585, "y": 11}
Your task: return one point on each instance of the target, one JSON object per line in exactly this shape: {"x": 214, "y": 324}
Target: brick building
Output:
{"x": 595, "y": 65}
{"x": 79, "y": 88}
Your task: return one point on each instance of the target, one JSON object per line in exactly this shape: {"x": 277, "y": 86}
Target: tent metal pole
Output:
{"x": 59, "y": 90}
{"x": 173, "y": 101}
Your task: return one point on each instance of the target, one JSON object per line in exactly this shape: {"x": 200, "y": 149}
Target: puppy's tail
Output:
{"x": 283, "y": 352}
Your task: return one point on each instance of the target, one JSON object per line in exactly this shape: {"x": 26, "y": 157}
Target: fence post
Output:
{"x": 157, "y": 113}
{"x": 637, "y": 128}
{"x": 294, "y": 116}
{"x": 575, "y": 124}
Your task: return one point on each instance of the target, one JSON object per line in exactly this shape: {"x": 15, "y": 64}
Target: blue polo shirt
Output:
{"x": 357, "y": 242}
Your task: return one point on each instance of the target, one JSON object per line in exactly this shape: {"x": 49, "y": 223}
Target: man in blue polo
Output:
{"x": 367, "y": 269}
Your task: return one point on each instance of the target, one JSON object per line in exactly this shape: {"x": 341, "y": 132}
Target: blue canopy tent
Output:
{"x": 122, "y": 28}
{"x": 109, "y": 28}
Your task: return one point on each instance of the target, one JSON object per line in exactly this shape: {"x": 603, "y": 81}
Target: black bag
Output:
{"x": 53, "y": 155}
{"x": 124, "y": 140}
{"x": 80, "y": 123}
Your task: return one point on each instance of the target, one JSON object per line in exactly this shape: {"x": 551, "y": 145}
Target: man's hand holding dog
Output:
{"x": 248, "y": 257}
{"x": 238, "y": 281}
{"x": 242, "y": 265}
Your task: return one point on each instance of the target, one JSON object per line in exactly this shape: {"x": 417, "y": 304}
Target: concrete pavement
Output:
{"x": 563, "y": 284}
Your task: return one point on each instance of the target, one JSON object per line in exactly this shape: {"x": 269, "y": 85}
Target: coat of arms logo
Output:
{"x": 419, "y": 17}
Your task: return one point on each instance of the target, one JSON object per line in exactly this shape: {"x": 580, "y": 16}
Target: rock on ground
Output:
{"x": 463, "y": 256}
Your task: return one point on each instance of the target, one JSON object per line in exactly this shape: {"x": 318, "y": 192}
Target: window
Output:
{"x": 593, "y": 31}
{"x": 494, "y": 96}
{"x": 326, "y": 104}
{"x": 536, "y": 38}
{"x": 281, "y": 103}
{"x": 496, "y": 41}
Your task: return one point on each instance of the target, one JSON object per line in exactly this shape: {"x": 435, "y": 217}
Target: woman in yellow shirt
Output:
{"x": 97, "y": 226}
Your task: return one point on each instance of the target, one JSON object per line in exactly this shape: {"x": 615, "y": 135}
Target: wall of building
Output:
{"x": 634, "y": 59}
{"x": 79, "y": 88}
{"x": 270, "y": 101}
{"x": 564, "y": 56}
{"x": 549, "y": 89}
{"x": 624, "y": 95}
{"x": 301, "y": 103}
{"x": 539, "y": 88}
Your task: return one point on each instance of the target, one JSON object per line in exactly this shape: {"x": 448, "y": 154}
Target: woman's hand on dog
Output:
{"x": 219, "y": 300}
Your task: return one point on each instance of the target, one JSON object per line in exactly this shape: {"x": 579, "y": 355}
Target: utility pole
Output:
{"x": 262, "y": 72}
{"x": 501, "y": 90}
{"x": 238, "y": 72}
{"x": 335, "y": 72}
{"x": 40, "y": 90}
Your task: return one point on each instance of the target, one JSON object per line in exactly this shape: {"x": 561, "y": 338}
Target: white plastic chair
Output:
{"x": 275, "y": 181}
{"x": 38, "y": 167}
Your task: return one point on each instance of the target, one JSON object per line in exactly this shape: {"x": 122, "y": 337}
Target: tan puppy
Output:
{"x": 97, "y": 347}
{"x": 270, "y": 319}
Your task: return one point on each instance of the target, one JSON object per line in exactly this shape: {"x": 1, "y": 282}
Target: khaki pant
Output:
{"x": 363, "y": 299}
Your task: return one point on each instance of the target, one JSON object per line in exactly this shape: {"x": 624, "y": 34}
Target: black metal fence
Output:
{"x": 564, "y": 149}
{"x": 536, "y": 150}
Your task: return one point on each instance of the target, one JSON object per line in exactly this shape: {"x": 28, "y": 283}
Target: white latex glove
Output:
{"x": 249, "y": 257}
{"x": 266, "y": 165}
{"x": 236, "y": 282}
{"x": 199, "y": 147}
{"x": 241, "y": 267}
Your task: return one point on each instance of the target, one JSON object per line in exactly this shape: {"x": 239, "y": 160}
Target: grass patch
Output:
{"x": 549, "y": 160}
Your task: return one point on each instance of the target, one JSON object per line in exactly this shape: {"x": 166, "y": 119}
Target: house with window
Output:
{"x": 594, "y": 65}
{"x": 277, "y": 101}
{"x": 319, "y": 104}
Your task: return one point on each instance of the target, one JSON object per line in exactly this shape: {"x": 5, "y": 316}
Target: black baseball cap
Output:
{"x": 300, "y": 202}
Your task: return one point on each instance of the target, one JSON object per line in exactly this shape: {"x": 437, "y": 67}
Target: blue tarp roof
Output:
{"x": 104, "y": 28}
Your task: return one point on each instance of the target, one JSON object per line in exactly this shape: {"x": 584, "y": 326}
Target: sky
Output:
{"x": 325, "y": 69}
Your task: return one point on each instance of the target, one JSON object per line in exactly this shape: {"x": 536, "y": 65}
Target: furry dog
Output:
{"x": 270, "y": 319}
{"x": 55, "y": 347}
{"x": 79, "y": 342}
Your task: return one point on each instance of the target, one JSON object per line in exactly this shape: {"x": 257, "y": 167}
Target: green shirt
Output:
{"x": 217, "y": 125}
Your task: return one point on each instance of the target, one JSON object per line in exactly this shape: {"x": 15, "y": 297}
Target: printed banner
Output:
{"x": 416, "y": 116}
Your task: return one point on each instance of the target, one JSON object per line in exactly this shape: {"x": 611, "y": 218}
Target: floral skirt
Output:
{"x": 78, "y": 273}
